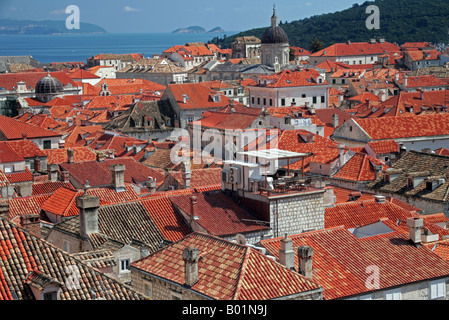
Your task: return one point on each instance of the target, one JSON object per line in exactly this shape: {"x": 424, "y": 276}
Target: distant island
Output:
{"x": 197, "y": 29}
{"x": 15, "y": 27}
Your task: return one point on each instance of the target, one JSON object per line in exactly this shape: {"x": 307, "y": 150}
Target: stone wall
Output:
{"x": 157, "y": 289}
{"x": 297, "y": 214}
{"x": 415, "y": 291}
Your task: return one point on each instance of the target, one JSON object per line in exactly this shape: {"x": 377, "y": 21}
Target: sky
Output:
{"x": 148, "y": 16}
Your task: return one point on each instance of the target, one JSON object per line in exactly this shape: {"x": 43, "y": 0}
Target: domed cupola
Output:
{"x": 274, "y": 34}
{"x": 274, "y": 47}
{"x": 48, "y": 88}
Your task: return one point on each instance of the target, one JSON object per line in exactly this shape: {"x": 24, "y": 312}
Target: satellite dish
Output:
{"x": 241, "y": 239}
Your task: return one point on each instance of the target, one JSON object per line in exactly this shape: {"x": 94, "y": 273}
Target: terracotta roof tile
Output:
{"x": 342, "y": 272}
{"x": 167, "y": 219}
{"x": 236, "y": 272}
{"x": 218, "y": 214}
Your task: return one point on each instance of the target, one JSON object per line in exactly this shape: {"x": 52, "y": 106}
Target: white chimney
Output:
{"x": 88, "y": 206}
{"x": 415, "y": 227}
{"x": 286, "y": 253}
{"x": 118, "y": 177}
{"x": 191, "y": 258}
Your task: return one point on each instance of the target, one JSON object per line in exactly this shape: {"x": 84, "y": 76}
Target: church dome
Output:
{"x": 48, "y": 88}
{"x": 49, "y": 85}
{"x": 274, "y": 34}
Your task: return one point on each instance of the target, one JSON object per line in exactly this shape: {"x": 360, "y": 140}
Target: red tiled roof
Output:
{"x": 218, "y": 214}
{"x": 343, "y": 195}
{"x": 354, "y": 214}
{"x": 98, "y": 173}
{"x": 292, "y": 78}
{"x": 10, "y": 80}
{"x": 167, "y": 219}
{"x": 8, "y": 155}
{"x": 360, "y": 168}
{"x": 80, "y": 154}
{"x": 341, "y": 260}
{"x": 384, "y": 146}
{"x": 356, "y": 49}
{"x": 25, "y": 206}
{"x": 83, "y": 74}
{"x": 13, "y": 130}
{"x": 109, "y": 196}
{"x": 49, "y": 187}
{"x": 199, "y": 96}
{"x": 419, "y": 55}
{"x": 17, "y": 177}
{"x": 200, "y": 178}
{"x": 227, "y": 271}
{"x": 62, "y": 202}
{"x": 425, "y": 81}
{"x": 387, "y": 128}
{"x": 298, "y": 51}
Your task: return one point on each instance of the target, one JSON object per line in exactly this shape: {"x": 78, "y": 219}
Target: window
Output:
{"x": 323, "y": 99}
{"x": 252, "y": 100}
{"x": 303, "y": 96}
{"x": 47, "y": 144}
{"x": 258, "y": 101}
{"x": 124, "y": 265}
{"x": 343, "y": 81}
{"x": 190, "y": 119}
{"x": 271, "y": 102}
{"x": 394, "y": 294}
{"x": 264, "y": 101}
{"x": 334, "y": 81}
{"x": 66, "y": 246}
{"x": 314, "y": 100}
{"x": 283, "y": 102}
{"x": 8, "y": 169}
{"x": 438, "y": 289}
{"x": 148, "y": 289}
{"x": 53, "y": 295}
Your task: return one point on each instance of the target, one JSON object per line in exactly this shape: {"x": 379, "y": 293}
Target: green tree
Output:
{"x": 316, "y": 45}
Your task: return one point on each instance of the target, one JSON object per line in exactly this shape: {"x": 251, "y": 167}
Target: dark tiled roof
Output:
{"x": 28, "y": 261}
{"x": 121, "y": 223}
{"x": 416, "y": 162}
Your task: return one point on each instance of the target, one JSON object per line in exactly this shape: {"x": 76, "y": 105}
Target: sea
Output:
{"x": 80, "y": 47}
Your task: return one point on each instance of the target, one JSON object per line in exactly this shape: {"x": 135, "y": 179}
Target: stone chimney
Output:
{"x": 88, "y": 214}
{"x": 341, "y": 154}
{"x": 405, "y": 81}
{"x": 65, "y": 177}
{"x": 25, "y": 189}
{"x": 192, "y": 209}
{"x": 70, "y": 155}
{"x": 377, "y": 170}
{"x": 380, "y": 199}
{"x": 186, "y": 174}
{"x": 53, "y": 172}
{"x": 415, "y": 226}
{"x": 118, "y": 177}
{"x": 286, "y": 253}
{"x": 32, "y": 223}
{"x": 4, "y": 209}
{"x": 305, "y": 257}
{"x": 335, "y": 120}
{"x": 151, "y": 184}
{"x": 191, "y": 257}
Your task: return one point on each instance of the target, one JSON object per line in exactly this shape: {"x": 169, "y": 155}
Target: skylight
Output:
{"x": 371, "y": 230}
